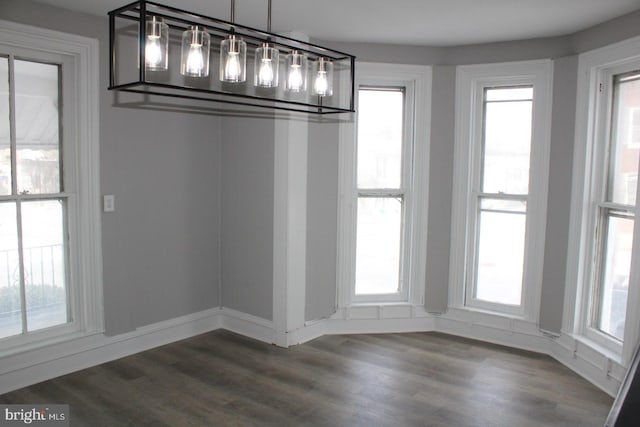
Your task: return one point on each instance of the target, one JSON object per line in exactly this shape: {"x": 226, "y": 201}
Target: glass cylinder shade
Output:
{"x": 156, "y": 51}
{"x": 323, "y": 77}
{"x": 233, "y": 60}
{"x": 195, "y": 52}
{"x": 266, "y": 69}
{"x": 296, "y": 77}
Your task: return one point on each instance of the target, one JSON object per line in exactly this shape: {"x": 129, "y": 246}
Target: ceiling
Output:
{"x": 411, "y": 22}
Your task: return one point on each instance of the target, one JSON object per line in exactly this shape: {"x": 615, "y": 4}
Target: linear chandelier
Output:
{"x": 161, "y": 50}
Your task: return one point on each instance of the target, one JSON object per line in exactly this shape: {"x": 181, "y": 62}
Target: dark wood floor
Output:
{"x": 416, "y": 379}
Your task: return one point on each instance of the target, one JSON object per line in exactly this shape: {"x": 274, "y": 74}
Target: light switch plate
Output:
{"x": 109, "y": 204}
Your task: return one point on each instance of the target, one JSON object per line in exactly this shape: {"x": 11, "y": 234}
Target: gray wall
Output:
{"x": 161, "y": 247}
{"x": 617, "y": 29}
{"x": 322, "y": 220}
{"x": 441, "y": 188}
{"x": 558, "y": 203}
{"x": 247, "y": 215}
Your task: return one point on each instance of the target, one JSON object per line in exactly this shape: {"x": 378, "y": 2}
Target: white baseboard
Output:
{"x": 248, "y": 325}
{"x": 21, "y": 370}
{"x": 507, "y": 331}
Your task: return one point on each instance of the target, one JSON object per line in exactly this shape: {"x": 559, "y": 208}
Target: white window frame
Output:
{"x": 471, "y": 80}
{"x": 417, "y": 83}
{"x": 596, "y": 68}
{"x": 81, "y": 169}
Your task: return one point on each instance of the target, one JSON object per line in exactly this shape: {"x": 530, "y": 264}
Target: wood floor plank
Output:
{"x": 414, "y": 379}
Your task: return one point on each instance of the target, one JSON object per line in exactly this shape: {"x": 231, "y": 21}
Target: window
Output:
{"x": 615, "y": 211}
{"x": 500, "y": 186}
{"x": 381, "y": 193}
{"x": 602, "y": 286}
{"x": 383, "y": 186}
{"x": 604, "y": 281}
{"x": 502, "y": 196}
{"x": 49, "y": 281}
{"x": 33, "y": 273}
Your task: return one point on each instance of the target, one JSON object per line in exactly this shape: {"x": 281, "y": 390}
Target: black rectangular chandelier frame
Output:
{"x": 138, "y": 12}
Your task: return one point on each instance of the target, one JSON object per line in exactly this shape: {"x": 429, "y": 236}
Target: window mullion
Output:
{"x": 382, "y": 192}
{"x": 502, "y": 196}
{"x": 610, "y": 206}
{"x": 36, "y": 197}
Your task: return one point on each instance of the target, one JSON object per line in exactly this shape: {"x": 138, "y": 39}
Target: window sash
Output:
{"x": 471, "y": 298}
{"x": 19, "y": 199}
{"x": 401, "y": 193}
{"x": 471, "y": 293}
{"x": 604, "y": 255}
{"x": 520, "y": 100}
{"x": 604, "y": 211}
{"x": 28, "y": 335}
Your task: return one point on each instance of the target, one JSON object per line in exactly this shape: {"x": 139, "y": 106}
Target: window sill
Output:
{"x": 41, "y": 344}
{"x": 379, "y": 303}
{"x": 487, "y": 312}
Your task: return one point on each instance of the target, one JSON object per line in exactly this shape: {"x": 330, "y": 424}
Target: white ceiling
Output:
{"x": 414, "y": 22}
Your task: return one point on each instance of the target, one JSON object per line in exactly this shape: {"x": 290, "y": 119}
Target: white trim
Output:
{"x": 498, "y": 329}
{"x": 291, "y": 141}
{"x": 250, "y": 326}
{"x": 417, "y": 79}
{"x": 345, "y": 259}
{"x": 469, "y": 83}
{"x": 86, "y": 244}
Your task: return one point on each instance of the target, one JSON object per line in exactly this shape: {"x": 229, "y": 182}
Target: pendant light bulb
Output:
{"x": 265, "y": 76}
{"x": 296, "y": 79}
{"x": 195, "y": 52}
{"x": 233, "y": 60}
{"x": 156, "y": 51}
{"x": 232, "y": 67}
{"x": 195, "y": 61}
{"x": 323, "y": 84}
{"x": 266, "y": 66}
{"x": 153, "y": 53}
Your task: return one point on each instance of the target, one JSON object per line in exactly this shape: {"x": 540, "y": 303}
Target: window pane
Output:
{"x": 615, "y": 275}
{"x": 380, "y": 122}
{"x": 5, "y": 136}
{"x": 378, "y": 245}
{"x": 37, "y": 123}
{"x": 500, "y": 257}
{"x": 524, "y": 93}
{"x": 10, "y": 310}
{"x": 507, "y": 144}
{"x": 625, "y": 152}
{"x": 44, "y": 263}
